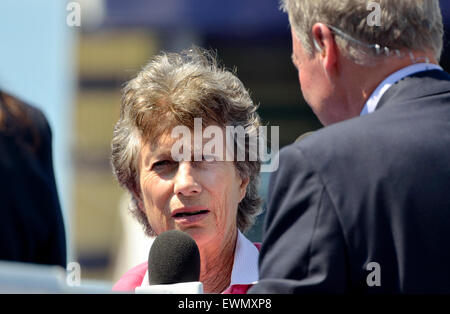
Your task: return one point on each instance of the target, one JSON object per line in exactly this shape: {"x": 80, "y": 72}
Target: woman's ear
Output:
{"x": 140, "y": 204}
{"x": 243, "y": 188}
{"x": 139, "y": 201}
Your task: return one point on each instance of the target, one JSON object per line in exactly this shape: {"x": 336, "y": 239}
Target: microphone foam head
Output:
{"x": 173, "y": 258}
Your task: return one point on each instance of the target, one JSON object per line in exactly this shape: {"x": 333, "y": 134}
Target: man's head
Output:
{"x": 334, "y": 47}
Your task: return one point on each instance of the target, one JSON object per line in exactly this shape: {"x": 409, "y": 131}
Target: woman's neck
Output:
{"x": 217, "y": 265}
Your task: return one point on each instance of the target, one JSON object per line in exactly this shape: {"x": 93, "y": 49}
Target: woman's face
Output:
{"x": 198, "y": 197}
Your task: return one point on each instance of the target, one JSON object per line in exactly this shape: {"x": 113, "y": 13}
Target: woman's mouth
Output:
{"x": 189, "y": 215}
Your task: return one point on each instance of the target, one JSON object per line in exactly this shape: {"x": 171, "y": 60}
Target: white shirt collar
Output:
{"x": 245, "y": 264}
{"x": 373, "y": 100}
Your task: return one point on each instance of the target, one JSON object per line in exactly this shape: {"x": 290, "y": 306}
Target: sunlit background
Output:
{"x": 75, "y": 74}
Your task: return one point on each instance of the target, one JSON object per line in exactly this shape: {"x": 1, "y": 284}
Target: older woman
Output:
{"x": 211, "y": 198}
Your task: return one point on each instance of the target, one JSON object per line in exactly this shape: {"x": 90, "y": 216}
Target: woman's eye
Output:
{"x": 163, "y": 163}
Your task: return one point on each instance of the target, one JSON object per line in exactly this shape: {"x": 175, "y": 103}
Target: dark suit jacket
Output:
{"x": 371, "y": 189}
{"x": 31, "y": 224}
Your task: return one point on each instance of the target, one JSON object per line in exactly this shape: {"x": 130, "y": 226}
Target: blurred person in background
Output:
{"x": 212, "y": 200}
{"x": 363, "y": 205}
{"x": 31, "y": 223}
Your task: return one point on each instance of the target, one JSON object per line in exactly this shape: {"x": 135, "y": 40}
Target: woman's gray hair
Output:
{"x": 404, "y": 24}
{"x": 173, "y": 89}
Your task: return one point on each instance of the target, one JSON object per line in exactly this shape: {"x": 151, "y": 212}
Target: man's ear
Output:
{"x": 325, "y": 43}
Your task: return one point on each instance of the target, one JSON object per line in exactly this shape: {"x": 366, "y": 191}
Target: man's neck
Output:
{"x": 366, "y": 79}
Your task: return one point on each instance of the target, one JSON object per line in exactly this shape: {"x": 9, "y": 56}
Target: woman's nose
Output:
{"x": 185, "y": 180}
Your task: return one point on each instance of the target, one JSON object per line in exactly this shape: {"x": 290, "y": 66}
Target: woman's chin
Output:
{"x": 200, "y": 235}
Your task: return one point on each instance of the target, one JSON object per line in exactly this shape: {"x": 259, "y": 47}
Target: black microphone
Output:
{"x": 173, "y": 265}
{"x": 173, "y": 258}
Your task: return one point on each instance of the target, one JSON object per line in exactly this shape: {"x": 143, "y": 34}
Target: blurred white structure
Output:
{"x": 37, "y": 64}
{"x": 92, "y": 13}
{"x": 134, "y": 245}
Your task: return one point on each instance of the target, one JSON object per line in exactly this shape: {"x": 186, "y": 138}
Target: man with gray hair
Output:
{"x": 363, "y": 205}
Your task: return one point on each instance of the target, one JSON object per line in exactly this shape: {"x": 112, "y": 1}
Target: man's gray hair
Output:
{"x": 173, "y": 89}
{"x": 404, "y": 24}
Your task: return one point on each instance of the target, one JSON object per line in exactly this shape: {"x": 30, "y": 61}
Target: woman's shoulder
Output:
{"x": 132, "y": 278}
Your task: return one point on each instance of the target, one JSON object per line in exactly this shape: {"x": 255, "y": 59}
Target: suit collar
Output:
{"x": 415, "y": 86}
{"x": 390, "y": 80}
